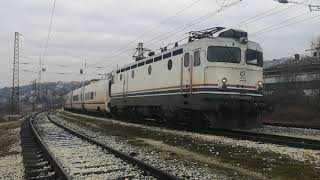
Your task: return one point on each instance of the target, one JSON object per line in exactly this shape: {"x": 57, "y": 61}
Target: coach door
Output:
{"x": 186, "y": 73}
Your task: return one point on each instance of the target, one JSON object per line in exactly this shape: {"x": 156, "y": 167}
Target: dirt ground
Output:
{"x": 11, "y": 166}
{"x": 294, "y": 114}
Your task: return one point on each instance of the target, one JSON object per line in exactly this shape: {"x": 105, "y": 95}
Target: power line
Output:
{"x": 49, "y": 31}
{"x": 285, "y": 21}
{"x": 179, "y": 29}
{"x": 159, "y": 24}
{"x": 55, "y": 72}
{"x": 296, "y": 22}
{"x": 192, "y": 23}
{"x": 222, "y": 4}
{"x": 46, "y": 46}
{"x": 265, "y": 14}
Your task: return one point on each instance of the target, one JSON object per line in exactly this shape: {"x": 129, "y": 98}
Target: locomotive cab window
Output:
{"x": 186, "y": 59}
{"x": 254, "y": 57}
{"x": 224, "y": 54}
{"x": 197, "y": 61}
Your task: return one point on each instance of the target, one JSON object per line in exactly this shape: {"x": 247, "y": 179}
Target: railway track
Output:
{"x": 270, "y": 138}
{"x": 82, "y": 157}
{"x": 38, "y": 161}
{"x": 249, "y": 135}
{"x": 291, "y": 125}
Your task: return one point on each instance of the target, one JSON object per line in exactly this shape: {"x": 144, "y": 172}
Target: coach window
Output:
{"x": 132, "y": 74}
{"x": 186, "y": 59}
{"x": 149, "y": 69}
{"x": 157, "y": 58}
{"x": 169, "y": 64}
{"x": 197, "y": 58}
{"x": 165, "y": 56}
{"x": 140, "y": 64}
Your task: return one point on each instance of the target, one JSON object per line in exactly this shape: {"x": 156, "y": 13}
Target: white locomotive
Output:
{"x": 210, "y": 81}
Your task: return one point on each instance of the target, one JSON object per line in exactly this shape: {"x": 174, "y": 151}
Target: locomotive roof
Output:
{"x": 180, "y": 47}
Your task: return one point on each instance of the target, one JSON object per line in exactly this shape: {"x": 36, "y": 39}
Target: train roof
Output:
{"x": 179, "y": 50}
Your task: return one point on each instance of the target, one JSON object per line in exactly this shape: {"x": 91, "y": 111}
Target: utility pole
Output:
{"x": 15, "y": 77}
{"x": 34, "y": 96}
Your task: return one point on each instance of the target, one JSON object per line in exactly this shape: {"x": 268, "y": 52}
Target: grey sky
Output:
{"x": 94, "y": 30}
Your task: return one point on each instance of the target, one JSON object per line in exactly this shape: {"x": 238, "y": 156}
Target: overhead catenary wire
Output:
{"x": 282, "y": 22}
{"x": 54, "y": 72}
{"x": 265, "y": 14}
{"x": 222, "y": 4}
{"x": 49, "y": 31}
{"x": 120, "y": 50}
{"x": 284, "y": 26}
{"x": 268, "y": 13}
{"x": 159, "y": 24}
{"x": 192, "y": 23}
{"x": 176, "y": 30}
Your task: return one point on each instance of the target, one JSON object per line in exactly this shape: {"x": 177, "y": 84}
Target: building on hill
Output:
{"x": 292, "y": 90}
{"x": 294, "y": 74}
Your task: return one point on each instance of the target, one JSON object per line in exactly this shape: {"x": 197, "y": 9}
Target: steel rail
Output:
{"x": 156, "y": 172}
{"x": 270, "y": 138}
{"x": 299, "y": 126}
{"x": 62, "y": 174}
{"x": 248, "y": 135}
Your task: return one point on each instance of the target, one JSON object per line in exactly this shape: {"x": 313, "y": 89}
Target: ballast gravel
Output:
{"x": 81, "y": 159}
{"x": 294, "y": 153}
{"x": 231, "y": 158}
{"x": 184, "y": 170}
{"x": 289, "y": 131}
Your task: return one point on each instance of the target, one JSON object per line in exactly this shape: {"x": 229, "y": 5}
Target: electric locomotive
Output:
{"x": 214, "y": 80}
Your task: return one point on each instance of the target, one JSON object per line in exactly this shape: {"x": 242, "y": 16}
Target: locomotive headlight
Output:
{"x": 224, "y": 80}
{"x": 260, "y": 86}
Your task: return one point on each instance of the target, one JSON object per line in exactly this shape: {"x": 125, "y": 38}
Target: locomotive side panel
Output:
{"x": 151, "y": 79}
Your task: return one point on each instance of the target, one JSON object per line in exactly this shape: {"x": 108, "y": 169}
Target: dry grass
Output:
{"x": 294, "y": 114}
{"x": 8, "y": 136}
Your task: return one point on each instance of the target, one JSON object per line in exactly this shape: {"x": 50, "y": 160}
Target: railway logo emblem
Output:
{"x": 243, "y": 76}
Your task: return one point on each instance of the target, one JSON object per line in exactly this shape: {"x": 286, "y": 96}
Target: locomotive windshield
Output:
{"x": 254, "y": 57}
{"x": 224, "y": 54}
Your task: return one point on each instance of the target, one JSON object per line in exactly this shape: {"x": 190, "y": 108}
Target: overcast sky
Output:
{"x": 103, "y": 32}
